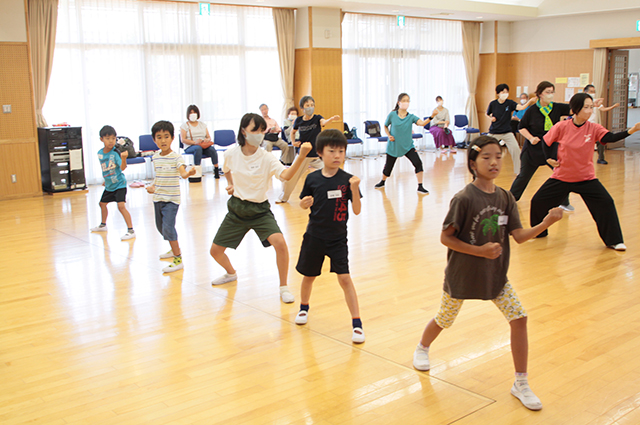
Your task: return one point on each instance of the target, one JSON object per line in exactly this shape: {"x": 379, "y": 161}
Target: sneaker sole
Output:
{"x": 518, "y": 395}
{"x": 171, "y": 270}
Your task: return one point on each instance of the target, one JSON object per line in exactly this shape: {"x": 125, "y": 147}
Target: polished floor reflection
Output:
{"x": 92, "y": 332}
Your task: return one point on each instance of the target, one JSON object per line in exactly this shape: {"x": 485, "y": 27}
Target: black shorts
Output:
{"x": 118, "y": 195}
{"x": 312, "y": 255}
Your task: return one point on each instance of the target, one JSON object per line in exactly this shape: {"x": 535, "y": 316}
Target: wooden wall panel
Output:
{"x": 19, "y": 158}
{"x": 528, "y": 69}
{"x": 18, "y": 139}
{"x": 302, "y": 75}
{"x": 327, "y": 83}
{"x": 15, "y": 90}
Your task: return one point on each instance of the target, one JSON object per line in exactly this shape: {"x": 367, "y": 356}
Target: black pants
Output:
{"x": 600, "y": 151}
{"x": 595, "y": 196}
{"x": 527, "y": 169}
{"x": 413, "y": 157}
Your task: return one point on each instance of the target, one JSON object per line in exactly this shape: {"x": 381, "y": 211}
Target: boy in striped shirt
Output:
{"x": 168, "y": 166}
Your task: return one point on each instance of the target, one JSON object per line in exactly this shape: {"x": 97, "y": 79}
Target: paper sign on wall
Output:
{"x": 518, "y": 91}
{"x": 561, "y": 80}
{"x": 584, "y": 79}
{"x": 568, "y": 94}
{"x": 573, "y": 82}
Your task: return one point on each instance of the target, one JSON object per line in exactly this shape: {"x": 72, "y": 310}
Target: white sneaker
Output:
{"x": 302, "y": 317}
{"x": 173, "y": 267}
{"x": 568, "y": 208}
{"x": 99, "y": 229}
{"x": 128, "y": 235}
{"x": 225, "y": 278}
{"x": 168, "y": 254}
{"x": 619, "y": 247}
{"x": 286, "y": 295}
{"x": 421, "y": 358}
{"x": 526, "y": 396}
{"x": 357, "y": 336}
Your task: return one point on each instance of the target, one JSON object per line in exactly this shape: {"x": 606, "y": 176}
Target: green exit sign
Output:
{"x": 205, "y": 9}
{"x": 637, "y": 25}
{"x": 401, "y": 21}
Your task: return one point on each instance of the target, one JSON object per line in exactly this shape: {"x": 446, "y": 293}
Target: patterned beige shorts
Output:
{"x": 507, "y": 301}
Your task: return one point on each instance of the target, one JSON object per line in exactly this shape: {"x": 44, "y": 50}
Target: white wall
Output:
{"x": 326, "y": 28}
{"x": 634, "y": 60}
{"x": 13, "y": 25}
{"x": 302, "y": 28}
{"x": 487, "y": 34}
{"x": 571, "y": 32}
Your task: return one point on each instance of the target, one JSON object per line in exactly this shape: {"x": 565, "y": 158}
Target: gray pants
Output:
{"x": 291, "y": 184}
{"x": 287, "y": 151}
{"x": 512, "y": 146}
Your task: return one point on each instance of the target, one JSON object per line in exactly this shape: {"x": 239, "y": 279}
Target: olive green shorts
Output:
{"x": 242, "y": 217}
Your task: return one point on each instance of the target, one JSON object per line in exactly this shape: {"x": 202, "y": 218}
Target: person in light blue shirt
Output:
{"x": 399, "y": 126}
{"x": 517, "y": 115}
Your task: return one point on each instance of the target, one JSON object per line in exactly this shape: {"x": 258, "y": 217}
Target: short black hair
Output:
{"x": 542, "y": 86}
{"x": 162, "y": 126}
{"x": 577, "y": 101}
{"x": 193, "y": 108}
{"x": 263, "y": 104}
{"x": 305, "y": 99}
{"x": 107, "y": 130}
{"x": 588, "y": 86}
{"x": 472, "y": 153}
{"x": 501, "y": 87}
{"x": 258, "y": 124}
{"x": 439, "y": 97}
{"x": 332, "y": 138}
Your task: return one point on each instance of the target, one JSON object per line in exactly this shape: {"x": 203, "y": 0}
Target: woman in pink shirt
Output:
{"x": 569, "y": 149}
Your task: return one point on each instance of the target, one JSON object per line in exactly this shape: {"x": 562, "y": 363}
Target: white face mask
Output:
{"x": 548, "y": 97}
{"x": 309, "y": 110}
{"x": 403, "y": 105}
{"x": 254, "y": 139}
{"x": 292, "y": 117}
{"x": 503, "y": 96}
{"x": 193, "y": 117}
{"x": 440, "y": 103}
{"x": 523, "y": 101}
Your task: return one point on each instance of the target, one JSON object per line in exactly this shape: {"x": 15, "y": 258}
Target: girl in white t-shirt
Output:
{"x": 248, "y": 170}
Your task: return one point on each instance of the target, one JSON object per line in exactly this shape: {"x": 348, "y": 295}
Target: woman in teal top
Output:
{"x": 401, "y": 140}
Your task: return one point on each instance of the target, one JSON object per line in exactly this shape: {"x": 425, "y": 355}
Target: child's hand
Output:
{"x": 296, "y": 144}
{"x": 354, "y": 181}
{"x": 306, "y": 202}
{"x": 124, "y": 155}
{"x": 191, "y": 171}
{"x": 305, "y": 148}
{"x": 555, "y": 214}
{"x": 493, "y": 119}
{"x": 491, "y": 250}
{"x": 554, "y": 163}
{"x": 392, "y": 139}
{"x": 151, "y": 188}
{"x": 229, "y": 189}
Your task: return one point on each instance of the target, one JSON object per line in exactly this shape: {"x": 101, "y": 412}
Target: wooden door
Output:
{"x": 618, "y": 82}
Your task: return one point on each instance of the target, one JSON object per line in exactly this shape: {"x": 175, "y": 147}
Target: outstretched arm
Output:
{"x": 523, "y": 235}
{"x": 531, "y": 101}
{"x": 324, "y": 122}
{"x": 286, "y": 175}
{"x": 356, "y": 203}
{"x": 184, "y": 173}
{"x": 608, "y": 108}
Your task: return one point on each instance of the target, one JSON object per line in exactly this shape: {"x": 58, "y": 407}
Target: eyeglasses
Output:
{"x": 588, "y": 107}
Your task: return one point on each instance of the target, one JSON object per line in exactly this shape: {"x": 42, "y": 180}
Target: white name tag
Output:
{"x": 167, "y": 167}
{"x": 503, "y": 220}
{"x": 334, "y": 194}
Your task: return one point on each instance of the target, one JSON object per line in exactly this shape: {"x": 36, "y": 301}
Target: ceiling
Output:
{"x": 472, "y": 10}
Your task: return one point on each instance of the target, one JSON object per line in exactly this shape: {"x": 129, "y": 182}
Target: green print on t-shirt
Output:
{"x": 490, "y": 223}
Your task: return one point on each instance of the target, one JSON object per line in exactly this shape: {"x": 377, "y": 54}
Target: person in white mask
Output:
{"x": 197, "y": 142}
{"x": 499, "y": 112}
{"x": 517, "y": 115}
{"x": 272, "y": 137}
{"x": 535, "y": 123}
{"x": 248, "y": 170}
{"x": 440, "y": 120}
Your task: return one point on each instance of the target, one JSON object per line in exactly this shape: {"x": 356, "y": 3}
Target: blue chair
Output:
{"x": 461, "y": 123}
{"x": 145, "y": 143}
{"x": 369, "y": 127}
{"x": 222, "y": 139}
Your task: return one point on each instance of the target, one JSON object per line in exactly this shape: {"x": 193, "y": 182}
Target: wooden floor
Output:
{"x": 91, "y": 331}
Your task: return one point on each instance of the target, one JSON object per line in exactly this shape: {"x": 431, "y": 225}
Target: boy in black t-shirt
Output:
{"x": 327, "y": 192}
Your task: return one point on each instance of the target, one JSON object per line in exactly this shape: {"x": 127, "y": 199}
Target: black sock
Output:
{"x": 357, "y": 323}
{"x": 103, "y": 224}
{"x": 304, "y": 307}
{"x": 130, "y": 229}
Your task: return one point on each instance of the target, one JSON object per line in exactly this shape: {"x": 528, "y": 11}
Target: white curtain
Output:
{"x": 380, "y": 60}
{"x": 600, "y": 60}
{"x": 130, "y": 63}
{"x": 43, "y": 19}
{"x": 285, "y": 24}
{"x": 471, "y": 54}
